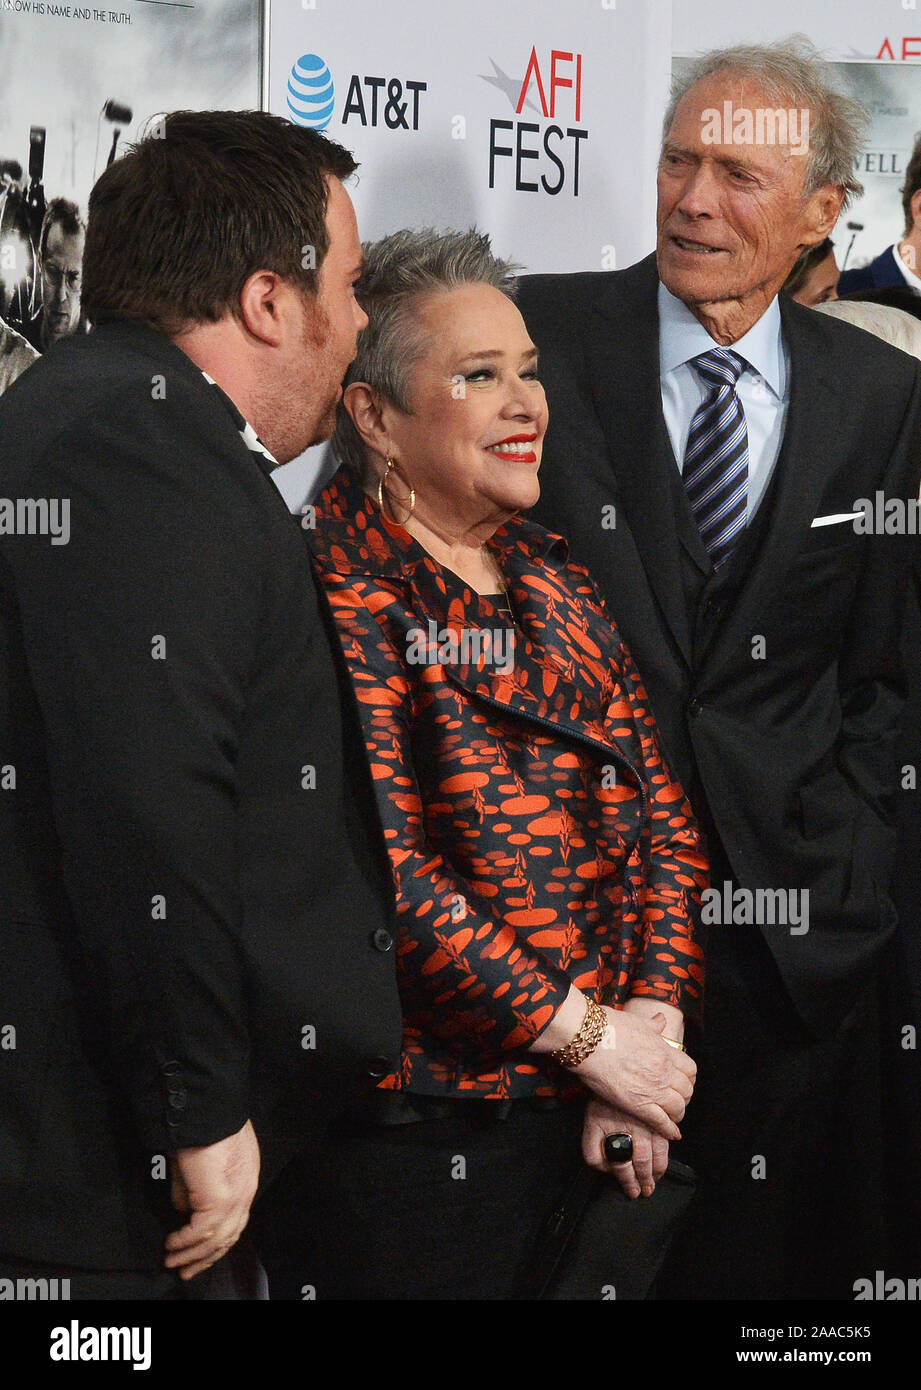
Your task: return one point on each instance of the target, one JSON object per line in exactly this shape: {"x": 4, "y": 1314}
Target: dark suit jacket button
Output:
{"x": 694, "y": 708}
{"x": 379, "y": 1067}
{"x": 177, "y": 1099}
{"x": 381, "y": 940}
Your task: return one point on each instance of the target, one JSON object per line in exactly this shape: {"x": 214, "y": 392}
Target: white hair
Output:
{"x": 894, "y": 326}
{"x": 791, "y": 72}
{"x": 401, "y": 272}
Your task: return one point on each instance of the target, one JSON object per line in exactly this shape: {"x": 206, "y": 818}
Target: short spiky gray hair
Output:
{"x": 401, "y": 271}
{"x": 791, "y": 73}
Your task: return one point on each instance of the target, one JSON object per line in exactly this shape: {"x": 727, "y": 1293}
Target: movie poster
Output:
{"x": 77, "y": 84}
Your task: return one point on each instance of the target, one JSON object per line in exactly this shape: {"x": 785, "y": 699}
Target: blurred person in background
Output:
{"x": 899, "y": 264}
{"x": 892, "y": 296}
{"x": 814, "y": 278}
{"x": 885, "y": 321}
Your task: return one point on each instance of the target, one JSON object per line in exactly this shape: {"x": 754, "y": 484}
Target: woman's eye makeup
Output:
{"x": 489, "y": 373}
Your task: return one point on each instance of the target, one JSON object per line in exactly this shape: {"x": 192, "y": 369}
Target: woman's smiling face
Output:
{"x": 471, "y": 445}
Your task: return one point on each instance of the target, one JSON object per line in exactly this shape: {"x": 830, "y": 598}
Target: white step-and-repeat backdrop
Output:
{"x": 537, "y": 122}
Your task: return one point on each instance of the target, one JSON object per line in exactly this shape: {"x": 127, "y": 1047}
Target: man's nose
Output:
{"x": 700, "y": 194}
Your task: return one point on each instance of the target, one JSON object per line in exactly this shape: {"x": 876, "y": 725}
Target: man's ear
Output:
{"x": 823, "y": 208}
{"x": 916, "y": 210}
{"x": 367, "y": 410}
{"x": 263, "y": 305}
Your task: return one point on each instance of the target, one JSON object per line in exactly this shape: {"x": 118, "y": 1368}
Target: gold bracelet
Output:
{"x": 673, "y": 1042}
{"x": 586, "y": 1040}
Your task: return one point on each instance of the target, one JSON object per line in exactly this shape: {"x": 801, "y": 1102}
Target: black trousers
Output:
{"x": 449, "y": 1207}
{"x": 237, "y": 1277}
{"x": 78, "y": 1285}
{"x": 793, "y": 1140}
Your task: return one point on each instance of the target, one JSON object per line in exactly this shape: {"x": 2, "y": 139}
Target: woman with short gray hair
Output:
{"x": 546, "y": 867}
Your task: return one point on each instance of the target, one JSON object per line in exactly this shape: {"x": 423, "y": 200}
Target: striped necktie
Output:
{"x": 715, "y": 470}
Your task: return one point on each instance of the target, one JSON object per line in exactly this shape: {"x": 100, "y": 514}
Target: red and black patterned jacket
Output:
{"x": 535, "y": 835}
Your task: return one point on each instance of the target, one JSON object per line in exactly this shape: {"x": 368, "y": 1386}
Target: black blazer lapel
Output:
{"x": 624, "y": 380}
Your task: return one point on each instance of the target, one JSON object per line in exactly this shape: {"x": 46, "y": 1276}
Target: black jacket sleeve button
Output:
{"x": 381, "y": 940}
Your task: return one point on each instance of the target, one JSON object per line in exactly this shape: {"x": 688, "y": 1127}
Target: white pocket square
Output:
{"x": 836, "y": 518}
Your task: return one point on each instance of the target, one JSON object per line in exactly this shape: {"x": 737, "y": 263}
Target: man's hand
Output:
{"x": 650, "y": 1150}
{"x": 645, "y": 1007}
{"x": 635, "y": 1071}
{"x": 217, "y": 1185}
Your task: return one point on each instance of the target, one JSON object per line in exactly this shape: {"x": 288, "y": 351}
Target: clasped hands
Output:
{"x": 641, "y": 1087}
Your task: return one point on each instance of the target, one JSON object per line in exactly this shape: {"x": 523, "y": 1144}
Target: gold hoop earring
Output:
{"x": 391, "y": 463}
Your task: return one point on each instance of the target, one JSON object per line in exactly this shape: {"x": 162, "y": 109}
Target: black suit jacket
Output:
{"x": 790, "y": 756}
{"x": 194, "y": 900}
{"x": 881, "y": 273}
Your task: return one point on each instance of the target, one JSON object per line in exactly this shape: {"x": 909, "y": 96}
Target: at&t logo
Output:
{"x": 311, "y": 94}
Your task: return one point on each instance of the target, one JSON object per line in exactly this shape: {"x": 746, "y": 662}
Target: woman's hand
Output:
{"x": 650, "y": 1150}
{"x": 633, "y": 1070}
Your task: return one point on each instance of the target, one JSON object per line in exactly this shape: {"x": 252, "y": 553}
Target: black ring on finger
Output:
{"x": 618, "y": 1148}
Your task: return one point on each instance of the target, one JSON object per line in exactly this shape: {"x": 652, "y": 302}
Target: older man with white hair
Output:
{"x": 708, "y": 438}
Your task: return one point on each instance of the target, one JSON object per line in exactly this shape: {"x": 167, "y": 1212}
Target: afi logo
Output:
{"x": 557, "y": 59}
{"x": 542, "y": 160}
{"x": 886, "y": 51}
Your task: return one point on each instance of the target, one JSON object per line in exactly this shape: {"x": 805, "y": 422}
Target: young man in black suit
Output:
{"x": 708, "y": 445}
{"x": 196, "y": 917}
{"x": 899, "y": 265}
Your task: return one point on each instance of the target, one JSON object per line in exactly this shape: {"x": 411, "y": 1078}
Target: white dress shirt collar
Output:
{"x": 682, "y": 337}
{"x": 910, "y": 278}
{"x": 247, "y": 433}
